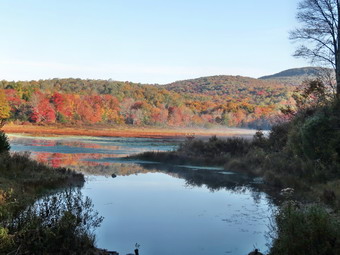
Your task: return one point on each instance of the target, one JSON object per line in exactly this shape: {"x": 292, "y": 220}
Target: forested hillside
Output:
{"x": 219, "y": 100}
{"x": 234, "y": 89}
{"x": 296, "y": 76}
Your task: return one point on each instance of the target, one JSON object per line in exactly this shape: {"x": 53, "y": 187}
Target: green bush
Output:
{"x": 61, "y": 118}
{"x": 316, "y": 136}
{"x": 308, "y": 230}
{"x": 259, "y": 140}
{"x": 215, "y": 147}
{"x": 4, "y": 143}
{"x": 6, "y": 241}
{"x": 278, "y": 136}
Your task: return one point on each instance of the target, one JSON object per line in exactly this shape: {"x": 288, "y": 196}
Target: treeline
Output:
{"x": 77, "y": 101}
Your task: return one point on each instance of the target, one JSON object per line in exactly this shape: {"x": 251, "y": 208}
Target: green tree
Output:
{"x": 5, "y": 109}
{"x": 4, "y": 143}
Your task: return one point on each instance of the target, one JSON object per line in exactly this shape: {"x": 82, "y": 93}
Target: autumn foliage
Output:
{"x": 78, "y": 102}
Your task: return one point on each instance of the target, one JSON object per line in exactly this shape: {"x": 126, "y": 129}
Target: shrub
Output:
{"x": 6, "y": 241}
{"x": 259, "y": 140}
{"x": 278, "y": 136}
{"x": 61, "y": 118}
{"x": 308, "y": 230}
{"x": 215, "y": 147}
{"x": 4, "y": 143}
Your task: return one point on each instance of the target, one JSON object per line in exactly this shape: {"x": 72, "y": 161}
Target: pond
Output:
{"x": 167, "y": 209}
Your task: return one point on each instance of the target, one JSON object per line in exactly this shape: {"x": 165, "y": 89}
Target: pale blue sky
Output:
{"x": 148, "y": 41}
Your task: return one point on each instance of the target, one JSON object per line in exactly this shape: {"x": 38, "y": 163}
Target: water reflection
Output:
{"x": 101, "y": 145}
{"x": 55, "y": 221}
{"x": 166, "y": 216}
{"x": 167, "y": 209}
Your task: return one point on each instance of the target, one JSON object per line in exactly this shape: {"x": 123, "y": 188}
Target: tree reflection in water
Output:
{"x": 195, "y": 176}
{"x": 61, "y": 223}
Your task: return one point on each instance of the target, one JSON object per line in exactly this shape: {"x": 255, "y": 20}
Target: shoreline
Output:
{"x": 141, "y": 132}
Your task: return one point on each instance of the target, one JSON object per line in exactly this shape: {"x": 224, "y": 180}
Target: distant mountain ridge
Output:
{"x": 226, "y": 88}
{"x": 308, "y": 71}
{"x": 236, "y": 85}
{"x": 296, "y": 76}
{"x": 220, "y": 84}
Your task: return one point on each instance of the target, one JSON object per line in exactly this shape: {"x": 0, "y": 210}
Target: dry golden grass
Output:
{"x": 126, "y": 131}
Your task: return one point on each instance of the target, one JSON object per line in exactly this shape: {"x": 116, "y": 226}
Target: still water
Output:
{"x": 167, "y": 209}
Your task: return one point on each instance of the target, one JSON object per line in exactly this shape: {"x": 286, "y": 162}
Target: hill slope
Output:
{"x": 219, "y": 84}
{"x": 296, "y": 76}
{"x": 233, "y": 88}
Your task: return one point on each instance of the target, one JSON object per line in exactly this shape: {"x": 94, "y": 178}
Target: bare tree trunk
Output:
{"x": 338, "y": 84}
{"x": 337, "y": 53}
{"x": 337, "y": 73}
{"x": 2, "y": 123}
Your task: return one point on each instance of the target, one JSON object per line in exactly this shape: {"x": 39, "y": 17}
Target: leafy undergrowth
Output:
{"x": 305, "y": 230}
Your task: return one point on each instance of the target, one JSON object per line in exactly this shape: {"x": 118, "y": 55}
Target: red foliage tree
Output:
{"x": 42, "y": 109}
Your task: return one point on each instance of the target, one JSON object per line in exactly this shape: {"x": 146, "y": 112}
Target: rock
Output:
{"x": 113, "y": 176}
{"x": 255, "y": 252}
